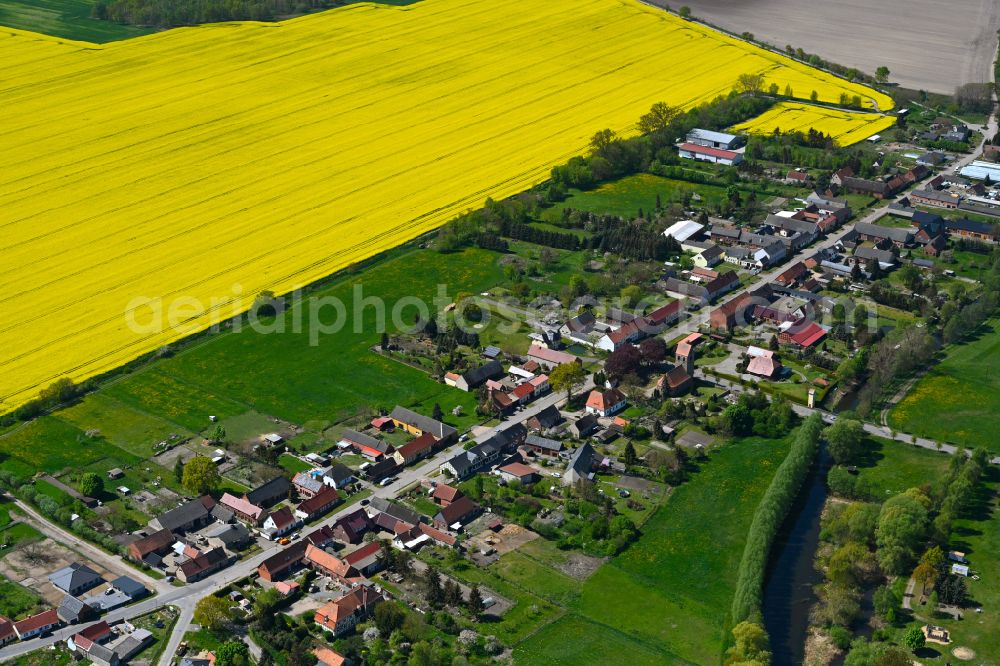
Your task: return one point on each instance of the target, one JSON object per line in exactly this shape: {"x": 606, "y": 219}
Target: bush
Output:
{"x": 771, "y": 512}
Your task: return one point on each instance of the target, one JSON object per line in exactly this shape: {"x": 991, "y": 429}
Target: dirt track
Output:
{"x": 926, "y": 44}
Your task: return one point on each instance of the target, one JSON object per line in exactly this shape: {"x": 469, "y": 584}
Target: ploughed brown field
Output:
{"x": 926, "y": 44}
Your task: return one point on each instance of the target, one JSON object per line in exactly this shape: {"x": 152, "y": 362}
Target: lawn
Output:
{"x": 123, "y": 425}
{"x": 958, "y": 400}
{"x": 17, "y": 601}
{"x": 69, "y": 19}
{"x": 50, "y": 444}
{"x": 284, "y": 374}
{"x": 626, "y": 196}
{"x": 681, "y": 572}
{"x": 888, "y": 467}
{"x": 293, "y": 464}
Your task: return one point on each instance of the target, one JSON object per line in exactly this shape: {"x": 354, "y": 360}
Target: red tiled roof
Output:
{"x": 328, "y": 657}
{"x": 446, "y": 493}
{"x": 518, "y": 469}
{"x": 6, "y": 628}
{"x": 282, "y": 518}
{"x": 330, "y": 563}
{"x": 241, "y": 506}
{"x": 324, "y": 498}
{"x": 809, "y": 335}
{"x": 413, "y": 448}
{"x": 664, "y": 312}
{"x": 45, "y": 618}
{"x": 603, "y": 400}
{"x": 551, "y": 355}
{"x": 707, "y": 150}
{"x": 363, "y": 553}
{"x": 523, "y": 391}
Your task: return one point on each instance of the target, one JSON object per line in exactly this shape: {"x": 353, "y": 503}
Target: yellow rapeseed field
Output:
{"x": 182, "y": 163}
{"x": 845, "y": 127}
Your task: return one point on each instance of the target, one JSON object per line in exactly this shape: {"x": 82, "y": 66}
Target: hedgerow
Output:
{"x": 770, "y": 514}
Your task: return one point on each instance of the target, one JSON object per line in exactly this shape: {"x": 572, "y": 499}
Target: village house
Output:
{"x": 414, "y": 450}
{"x": 332, "y": 566}
{"x": 279, "y": 523}
{"x": 605, "y": 402}
{"x": 486, "y": 454}
{"x": 366, "y": 558}
{"x": 7, "y": 633}
{"x": 582, "y": 324}
{"x": 583, "y": 426}
{"x": 418, "y": 424}
{"x": 733, "y": 313}
{"x": 318, "y": 505}
{"x": 456, "y": 514}
{"x": 341, "y": 615}
{"x": 307, "y": 484}
{"x": 242, "y": 509}
{"x": 542, "y": 446}
{"x": 803, "y": 333}
{"x": 203, "y": 565}
{"x": 352, "y": 527}
{"x": 370, "y": 447}
{"x": 621, "y": 336}
{"x": 581, "y": 465}
{"x": 388, "y": 514}
{"x": 763, "y": 363}
{"x": 73, "y": 611}
{"x": 280, "y": 565}
{"x": 443, "y": 494}
{"x": 420, "y": 534}
{"x": 337, "y": 475}
{"x": 36, "y": 625}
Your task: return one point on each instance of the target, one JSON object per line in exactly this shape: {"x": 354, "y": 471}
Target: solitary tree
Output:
{"x": 630, "y": 456}
{"x": 567, "y": 377}
{"x": 91, "y": 484}
{"x": 437, "y": 414}
{"x": 200, "y": 475}
{"x": 475, "y": 601}
{"x": 212, "y": 612}
{"x": 882, "y": 74}
{"x": 914, "y": 638}
{"x": 844, "y": 439}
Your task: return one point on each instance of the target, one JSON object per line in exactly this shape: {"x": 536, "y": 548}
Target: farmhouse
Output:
{"x": 341, "y": 615}
{"x": 693, "y": 151}
{"x": 620, "y": 337}
{"x": 583, "y": 426}
{"x": 352, "y": 527}
{"x": 418, "y": 424}
{"x": 332, "y": 566}
{"x": 444, "y": 494}
{"x": 203, "y": 565}
{"x": 307, "y": 484}
{"x": 939, "y": 198}
{"x": 386, "y": 514}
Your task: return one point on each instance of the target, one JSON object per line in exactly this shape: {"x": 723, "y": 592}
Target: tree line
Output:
{"x": 170, "y": 13}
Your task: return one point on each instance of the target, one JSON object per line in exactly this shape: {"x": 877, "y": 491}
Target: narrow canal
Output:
{"x": 788, "y": 590}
